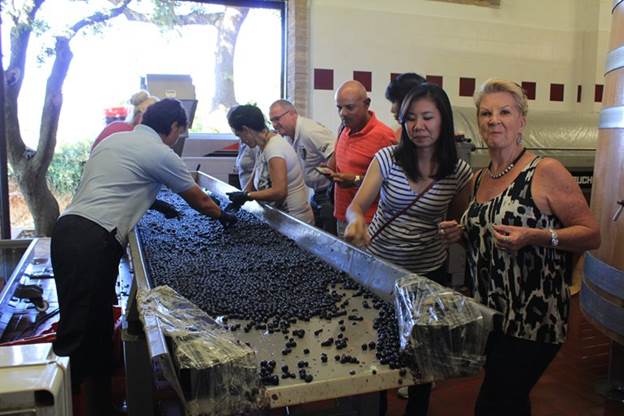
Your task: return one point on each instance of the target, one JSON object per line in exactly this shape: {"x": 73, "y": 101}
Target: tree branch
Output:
{"x": 53, "y": 100}
{"x": 52, "y": 104}
{"x": 98, "y": 17}
{"x": 198, "y": 18}
{"x": 193, "y": 18}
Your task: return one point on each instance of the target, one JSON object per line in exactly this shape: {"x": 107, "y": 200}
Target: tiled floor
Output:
{"x": 566, "y": 389}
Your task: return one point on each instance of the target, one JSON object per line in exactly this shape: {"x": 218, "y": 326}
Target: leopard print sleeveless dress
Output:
{"x": 530, "y": 287}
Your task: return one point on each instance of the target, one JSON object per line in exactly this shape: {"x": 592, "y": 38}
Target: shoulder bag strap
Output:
{"x": 398, "y": 214}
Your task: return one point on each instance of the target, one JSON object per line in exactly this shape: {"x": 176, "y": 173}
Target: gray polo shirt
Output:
{"x": 314, "y": 145}
{"x": 122, "y": 178}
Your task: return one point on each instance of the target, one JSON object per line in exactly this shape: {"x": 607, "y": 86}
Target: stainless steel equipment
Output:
{"x": 571, "y": 138}
{"x": 175, "y": 86}
{"x": 28, "y": 299}
{"x": 330, "y": 380}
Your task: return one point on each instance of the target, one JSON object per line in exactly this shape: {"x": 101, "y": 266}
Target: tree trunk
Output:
{"x": 40, "y": 201}
{"x": 31, "y": 167}
{"x": 227, "y": 35}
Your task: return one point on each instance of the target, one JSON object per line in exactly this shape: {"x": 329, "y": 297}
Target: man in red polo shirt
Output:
{"x": 362, "y": 136}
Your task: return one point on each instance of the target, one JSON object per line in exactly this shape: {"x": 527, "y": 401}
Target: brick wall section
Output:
{"x": 298, "y": 55}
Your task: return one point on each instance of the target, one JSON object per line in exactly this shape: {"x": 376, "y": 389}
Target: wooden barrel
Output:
{"x": 602, "y": 294}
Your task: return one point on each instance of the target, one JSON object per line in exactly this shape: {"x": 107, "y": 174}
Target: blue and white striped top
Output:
{"x": 411, "y": 241}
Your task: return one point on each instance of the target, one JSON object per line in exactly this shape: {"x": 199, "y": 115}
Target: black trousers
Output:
{"x": 85, "y": 259}
{"x": 322, "y": 204}
{"x": 513, "y": 366}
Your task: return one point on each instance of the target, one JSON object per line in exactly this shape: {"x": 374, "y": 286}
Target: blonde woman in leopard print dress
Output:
{"x": 526, "y": 218}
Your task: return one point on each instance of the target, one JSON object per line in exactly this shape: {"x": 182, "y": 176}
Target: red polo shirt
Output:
{"x": 354, "y": 152}
{"x": 114, "y": 127}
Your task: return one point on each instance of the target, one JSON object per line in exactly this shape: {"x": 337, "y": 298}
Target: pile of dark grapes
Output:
{"x": 251, "y": 272}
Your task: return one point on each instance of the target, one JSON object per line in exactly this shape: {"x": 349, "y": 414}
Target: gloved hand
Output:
{"x": 227, "y": 220}
{"x": 166, "y": 209}
{"x": 238, "y": 198}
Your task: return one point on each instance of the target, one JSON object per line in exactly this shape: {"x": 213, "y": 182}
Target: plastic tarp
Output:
{"x": 219, "y": 372}
{"x": 443, "y": 334}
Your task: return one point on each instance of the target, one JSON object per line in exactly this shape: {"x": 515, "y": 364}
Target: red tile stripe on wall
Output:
{"x": 598, "y": 93}
{"x": 323, "y": 79}
{"x": 556, "y": 92}
{"x": 529, "y": 88}
{"x": 466, "y": 87}
{"x": 436, "y": 79}
{"x": 365, "y": 77}
{"x": 579, "y": 93}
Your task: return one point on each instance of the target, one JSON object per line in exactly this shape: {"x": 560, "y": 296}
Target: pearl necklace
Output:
{"x": 507, "y": 169}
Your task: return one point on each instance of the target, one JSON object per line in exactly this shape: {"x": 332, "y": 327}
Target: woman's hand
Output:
{"x": 357, "y": 232}
{"x": 450, "y": 231}
{"x": 511, "y": 238}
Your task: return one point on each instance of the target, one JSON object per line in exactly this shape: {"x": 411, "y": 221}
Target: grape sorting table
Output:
{"x": 331, "y": 379}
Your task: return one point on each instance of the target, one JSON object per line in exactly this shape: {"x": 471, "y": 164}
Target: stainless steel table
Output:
{"x": 331, "y": 379}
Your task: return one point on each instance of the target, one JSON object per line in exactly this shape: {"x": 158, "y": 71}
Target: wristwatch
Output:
{"x": 554, "y": 238}
{"x": 358, "y": 180}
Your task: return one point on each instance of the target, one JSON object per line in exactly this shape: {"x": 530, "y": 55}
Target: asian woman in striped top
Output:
{"x": 423, "y": 188}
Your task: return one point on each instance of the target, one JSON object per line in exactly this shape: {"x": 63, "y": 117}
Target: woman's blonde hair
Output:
{"x": 141, "y": 100}
{"x": 500, "y": 85}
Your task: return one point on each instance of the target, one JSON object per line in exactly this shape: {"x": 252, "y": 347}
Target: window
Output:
{"x": 233, "y": 51}
{"x": 107, "y": 68}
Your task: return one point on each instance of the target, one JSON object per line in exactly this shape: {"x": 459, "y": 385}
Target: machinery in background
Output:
{"x": 570, "y": 138}
{"x": 173, "y": 86}
{"x": 212, "y": 153}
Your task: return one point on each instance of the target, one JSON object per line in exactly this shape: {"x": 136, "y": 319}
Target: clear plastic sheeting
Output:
{"x": 218, "y": 373}
{"x": 442, "y": 332}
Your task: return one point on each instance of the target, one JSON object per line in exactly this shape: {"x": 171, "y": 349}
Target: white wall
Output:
{"x": 553, "y": 41}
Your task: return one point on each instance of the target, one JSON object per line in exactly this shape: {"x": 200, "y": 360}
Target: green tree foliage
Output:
{"x": 66, "y": 168}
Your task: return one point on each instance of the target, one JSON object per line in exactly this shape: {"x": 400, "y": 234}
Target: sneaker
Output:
{"x": 402, "y": 392}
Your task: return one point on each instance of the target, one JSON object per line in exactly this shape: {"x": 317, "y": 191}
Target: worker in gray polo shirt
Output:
{"x": 314, "y": 145}
{"x": 120, "y": 181}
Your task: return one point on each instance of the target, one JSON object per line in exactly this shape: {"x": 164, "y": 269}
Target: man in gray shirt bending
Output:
{"x": 120, "y": 181}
